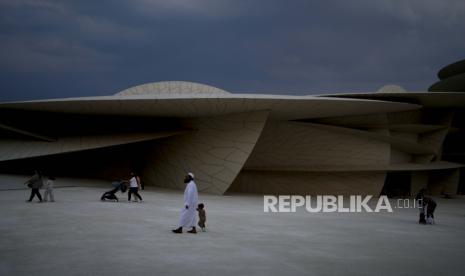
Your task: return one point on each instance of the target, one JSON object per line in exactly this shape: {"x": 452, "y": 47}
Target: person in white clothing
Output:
{"x": 134, "y": 184}
{"x": 49, "y": 189}
{"x": 188, "y": 217}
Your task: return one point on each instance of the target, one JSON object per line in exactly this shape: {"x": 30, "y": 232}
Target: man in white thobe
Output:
{"x": 188, "y": 218}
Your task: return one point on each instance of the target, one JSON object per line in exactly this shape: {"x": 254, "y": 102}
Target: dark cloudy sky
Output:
{"x": 53, "y": 49}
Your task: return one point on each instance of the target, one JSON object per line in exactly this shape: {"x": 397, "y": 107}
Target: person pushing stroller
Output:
{"x": 134, "y": 185}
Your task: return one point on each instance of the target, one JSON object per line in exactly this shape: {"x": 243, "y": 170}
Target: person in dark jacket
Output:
{"x": 421, "y": 206}
{"x": 35, "y": 183}
{"x": 430, "y": 206}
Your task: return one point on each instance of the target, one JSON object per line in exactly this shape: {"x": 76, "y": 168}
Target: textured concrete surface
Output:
{"x": 216, "y": 152}
{"x": 79, "y": 235}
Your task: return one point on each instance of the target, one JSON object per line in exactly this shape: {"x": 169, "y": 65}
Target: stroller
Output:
{"x": 110, "y": 195}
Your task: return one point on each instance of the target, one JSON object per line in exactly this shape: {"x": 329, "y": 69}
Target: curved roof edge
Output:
{"x": 452, "y": 69}
{"x": 172, "y": 87}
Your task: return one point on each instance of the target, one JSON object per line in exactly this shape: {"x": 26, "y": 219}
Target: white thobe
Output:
{"x": 188, "y": 216}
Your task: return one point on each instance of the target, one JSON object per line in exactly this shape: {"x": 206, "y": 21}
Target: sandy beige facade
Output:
{"x": 389, "y": 141}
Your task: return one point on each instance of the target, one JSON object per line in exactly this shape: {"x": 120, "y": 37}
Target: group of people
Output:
{"x": 188, "y": 216}
{"x": 36, "y": 182}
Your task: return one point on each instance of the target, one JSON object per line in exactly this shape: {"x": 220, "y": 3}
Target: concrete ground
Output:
{"x": 80, "y": 235}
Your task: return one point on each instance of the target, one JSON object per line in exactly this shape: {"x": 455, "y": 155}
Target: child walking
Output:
{"x": 202, "y": 216}
{"x": 49, "y": 189}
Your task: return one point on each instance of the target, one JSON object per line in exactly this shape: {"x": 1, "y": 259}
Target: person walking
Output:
{"x": 188, "y": 213}
{"x": 49, "y": 189}
{"x": 134, "y": 185}
{"x": 202, "y": 216}
{"x": 421, "y": 205}
{"x": 430, "y": 207}
{"x": 35, "y": 183}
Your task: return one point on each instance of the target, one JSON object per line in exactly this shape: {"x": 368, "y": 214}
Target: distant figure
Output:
{"x": 49, "y": 189}
{"x": 421, "y": 206}
{"x": 35, "y": 183}
{"x": 430, "y": 206}
{"x": 188, "y": 215}
{"x": 202, "y": 216}
{"x": 134, "y": 185}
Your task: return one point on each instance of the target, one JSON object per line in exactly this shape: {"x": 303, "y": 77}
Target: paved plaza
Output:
{"x": 80, "y": 235}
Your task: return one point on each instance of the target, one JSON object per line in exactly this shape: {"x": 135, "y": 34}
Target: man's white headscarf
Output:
{"x": 191, "y": 175}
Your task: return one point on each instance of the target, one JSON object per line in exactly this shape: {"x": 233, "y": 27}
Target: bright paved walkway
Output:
{"x": 79, "y": 235}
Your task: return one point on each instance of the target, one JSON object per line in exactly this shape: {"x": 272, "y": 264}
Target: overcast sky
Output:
{"x": 54, "y": 49}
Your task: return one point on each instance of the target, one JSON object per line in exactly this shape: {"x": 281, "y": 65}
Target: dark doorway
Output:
{"x": 397, "y": 184}
{"x": 113, "y": 162}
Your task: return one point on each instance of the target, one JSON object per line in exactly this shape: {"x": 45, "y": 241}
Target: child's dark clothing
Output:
{"x": 202, "y": 218}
